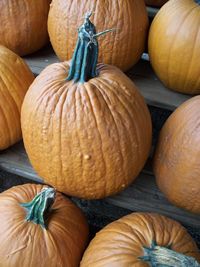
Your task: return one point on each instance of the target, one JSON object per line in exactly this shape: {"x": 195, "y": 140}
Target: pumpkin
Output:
{"x": 157, "y": 3}
{"x": 24, "y": 25}
{"x": 176, "y": 162}
{"x": 39, "y": 227}
{"x": 122, "y": 49}
{"x": 15, "y": 78}
{"x": 174, "y": 45}
{"x": 86, "y": 128}
{"x": 142, "y": 239}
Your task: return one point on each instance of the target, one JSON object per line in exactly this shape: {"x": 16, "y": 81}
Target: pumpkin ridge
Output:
{"x": 127, "y": 112}
{"x": 9, "y": 141}
{"x": 191, "y": 62}
{"x": 173, "y": 43}
{"x": 93, "y": 113}
{"x": 14, "y": 77}
{"x": 116, "y": 128}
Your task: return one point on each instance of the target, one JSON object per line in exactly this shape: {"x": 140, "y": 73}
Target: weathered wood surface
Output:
{"x": 154, "y": 92}
{"x": 142, "y": 195}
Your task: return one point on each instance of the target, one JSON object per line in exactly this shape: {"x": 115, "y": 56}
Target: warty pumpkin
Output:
{"x": 24, "y": 25}
{"x": 40, "y": 227}
{"x": 142, "y": 240}
{"x": 15, "y": 78}
{"x": 86, "y": 128}
{"x": 157, "y": 3}
{"x": 122, "y": 49}
{"x": 176, "y": 161}
{"x": 174, "y": 45}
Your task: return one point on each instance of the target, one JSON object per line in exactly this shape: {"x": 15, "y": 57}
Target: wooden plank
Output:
{"x": 154, "y": 92}
{"x": 142, "y": 195}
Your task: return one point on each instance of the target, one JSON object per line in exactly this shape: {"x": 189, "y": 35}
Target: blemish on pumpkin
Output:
{"x": 87, "y": 157}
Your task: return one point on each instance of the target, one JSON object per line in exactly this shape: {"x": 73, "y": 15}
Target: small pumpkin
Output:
{"x": 156, "y": 3}
{"x": 86, "y": 128}
{"x": 39, "y": 227}
{"x": 174, "y": 45}
{"x": 24, "y": 25}
{"x": 142, "y": 239}
{"x": 15, "y": 78}
{"x": 176, "y": 161}
{"x": 122, "y": 49}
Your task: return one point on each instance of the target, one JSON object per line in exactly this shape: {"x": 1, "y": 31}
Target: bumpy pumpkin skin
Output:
{"x": 176, "y": 162}
{"x": 25, "y": 244}
{"x": 90, "y": 139}
{"x": 157, "y": 3}
{"x": 121, "y": 243}
{"x": 15, "y": 79}
{"x": 24, "y": 25}
{"x": 122, "y": 48}
{"x": 174, "y": 46}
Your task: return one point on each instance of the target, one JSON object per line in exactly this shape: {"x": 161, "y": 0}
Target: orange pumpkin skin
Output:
{"x": 89, "y": 139}
{"x": 122, "y": 48}
{"x": 174, "y": 46}
{"x": 25, "y": 244}
{"x": 176, "y": 162}
{"x": 157, "y": 3}
{"x": 24, "y": 25}
{"x": 15, "y": 78}
{"x": 121, "y": 243}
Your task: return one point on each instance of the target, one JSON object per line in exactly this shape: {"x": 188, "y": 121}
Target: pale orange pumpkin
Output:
{"x": 15, "y": 78}
{"x": 86, "y": 128}
{"x": 24, "y": 25}
{"x": 142, "y": 240}
{"x": 176, "y": 163}
{"x": 174, "y": 45}
{"x": 39, "y": 227}
{"x": 122, "y": 49}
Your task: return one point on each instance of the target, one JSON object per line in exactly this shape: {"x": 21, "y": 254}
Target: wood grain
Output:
{"x": 154, "y": 92}
{"x": 142, "y": 195}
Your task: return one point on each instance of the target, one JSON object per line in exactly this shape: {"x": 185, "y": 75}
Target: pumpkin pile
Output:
{"x": 87, "y": 130}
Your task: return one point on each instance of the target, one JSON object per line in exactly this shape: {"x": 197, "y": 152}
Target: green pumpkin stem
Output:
{"x": 39, "y": 208}
{"x": 85, "y": 57}
{"x": 158, "y": 256}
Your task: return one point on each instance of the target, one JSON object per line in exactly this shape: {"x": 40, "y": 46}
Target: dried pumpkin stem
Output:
{"x": 164, "y": 257}
{"x": 85, "y": 57}
{"x": 39, "y": 208}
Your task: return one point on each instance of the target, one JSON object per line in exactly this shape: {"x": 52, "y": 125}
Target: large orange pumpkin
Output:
{"x": 15, "y": 78}
{"x": 157, "y": 3}
{"x": 86, "y": 128}
{"x": 174, "y": 45}
{"x": 24, "y": 25}
{"x": 142, "y": 240}
{"x": 39, "y": 227}
{"x": 176, "y": 162}
{"x": 122, "y": 48}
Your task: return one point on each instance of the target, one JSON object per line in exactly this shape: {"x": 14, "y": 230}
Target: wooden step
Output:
{"x": 142, "y": 195}
{"x": 154, "y": 92}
